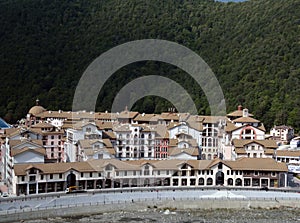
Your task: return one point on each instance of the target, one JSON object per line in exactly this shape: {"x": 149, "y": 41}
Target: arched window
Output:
{"x": 209, "y": 181}
{"x": 230, "y": 182}
{"x": 209, "y": 142}
{"x": 238, "y": 182}
{"x": 201, "y": 181}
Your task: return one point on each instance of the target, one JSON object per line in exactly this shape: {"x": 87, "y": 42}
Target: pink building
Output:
{"x": 52, "y": 141}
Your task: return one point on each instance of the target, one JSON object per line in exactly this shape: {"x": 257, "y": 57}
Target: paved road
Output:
{"x": 139, "y": 195}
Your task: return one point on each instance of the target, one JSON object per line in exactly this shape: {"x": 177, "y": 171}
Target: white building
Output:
{"x": 134, "y": 141}
{"x": 282, "y": 134}
{"x": 81, "y": 130}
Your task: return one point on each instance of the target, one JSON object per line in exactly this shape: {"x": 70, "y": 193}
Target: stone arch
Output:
{"x": 71, "y": 179}
{"x": 219, "y": 178}
{"x": 209, "y": 181}
{"x": 238, "y": 182}
{"x": 230, "y": 182}
{"x": 201, "y": 181}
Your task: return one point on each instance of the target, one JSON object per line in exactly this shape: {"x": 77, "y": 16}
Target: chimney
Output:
{"x": 245, "y": 112}
{"x": 240, "y": 108}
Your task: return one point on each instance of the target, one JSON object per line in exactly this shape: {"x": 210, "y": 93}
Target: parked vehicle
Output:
{"x": 5, "y": 194}
{"x": 74, "y": 189}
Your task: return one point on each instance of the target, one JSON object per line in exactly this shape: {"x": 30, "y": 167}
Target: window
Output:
{"x": 209, "y": 181}
{"x": 60, "y": 175}
{"x": 81, "y": 174}
{"x": 125, "y": 173}
{"x": 273, "y": 174}
{"x": 256, "y": 173}
{"x": 99, "y": 174}
{"x": 51, "y": 176}
{"x": 91, "y": 174}
{"x": 23, "y": 178}
{"x": 42, "y": 177}
{"x": 147, "y": 170}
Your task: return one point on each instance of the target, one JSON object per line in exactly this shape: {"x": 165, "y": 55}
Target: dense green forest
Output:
{"x": 253, "y": 47}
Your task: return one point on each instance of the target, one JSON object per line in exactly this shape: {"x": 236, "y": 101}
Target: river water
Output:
{"x": 278, "y": 215}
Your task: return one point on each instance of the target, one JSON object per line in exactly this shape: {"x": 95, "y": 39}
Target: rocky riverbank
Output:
{"x": 258, "y": 215}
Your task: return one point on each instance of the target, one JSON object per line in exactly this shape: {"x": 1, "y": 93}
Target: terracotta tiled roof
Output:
{"x": 11, "y": 132}
{"x": 240, "y": 143}
{"x": 240, "y": 151}
{"x": 175, "y": 151}
{"x": 168, "y": 116}
{"x": 109, "y": 135}
{"x": 127, "y": 115}
{"x": 107, "y": 143}
{"x": 213, "y": 119}
{"x": 246, "y": 120}
{"x": 259, "y": 164}
{"x": 15, "y": 152}
{"x": 288, "y": 153}
{"x": 173, "y": 142}
{"x": 47, "y": 168}
{"x": 161, "y": 131}
{"x": 121, "y": 127}
{"x": 195, "y": 122}
{"x": 104, "y": 125}
{"x": 105, "y": 116}
{"x": 269, "y": 151}
{"x": 146, "y": 118}
{"x": 14, "y": 143}
{"x": 230, "y": 126}
{"x": 42, "y": 125}
{"x": 282, "y": 127}
{"x": 35, "y": 110}
{"x": 254, "y": 164}
{"x": 238, "y": 113}
{"x": 79, "y": 125}
{"x": 44, "y": 133}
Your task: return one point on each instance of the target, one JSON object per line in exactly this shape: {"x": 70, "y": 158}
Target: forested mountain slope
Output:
{"x": 253, "y": 48}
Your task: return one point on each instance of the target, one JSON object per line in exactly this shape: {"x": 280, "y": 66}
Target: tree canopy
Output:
{"x": 253, "y": 47}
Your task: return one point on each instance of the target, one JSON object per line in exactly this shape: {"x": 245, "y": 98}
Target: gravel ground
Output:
{"x": 279, "y": 215}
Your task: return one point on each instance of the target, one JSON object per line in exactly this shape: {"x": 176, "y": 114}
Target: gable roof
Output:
{"x": 246, "y": 120}
{"x": 41, "y": 151}
{"x": 176, "y": 151}
{"x": 240, "y": 143}
{"x": 16, "y": 143}
{"x": 288, "y": 153}
{"x": 54, "y": 168}
{"x": 259, "y": 164}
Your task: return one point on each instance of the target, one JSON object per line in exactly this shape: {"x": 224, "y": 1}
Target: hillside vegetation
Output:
{"x": 253, "y": 47}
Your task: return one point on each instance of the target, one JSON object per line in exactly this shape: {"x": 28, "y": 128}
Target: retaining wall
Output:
{"x": 181, "y": 204}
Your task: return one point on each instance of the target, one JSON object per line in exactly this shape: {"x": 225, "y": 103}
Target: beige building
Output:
{"x": 95, "y": 174}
